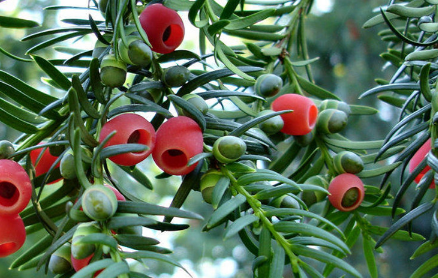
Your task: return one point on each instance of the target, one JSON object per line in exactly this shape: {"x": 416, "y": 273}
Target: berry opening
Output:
{"x": 8, "y": 194}
{"x": 351, "y": 197}
{"x": 175, "y": 158}
{"x": 173, "y": 35}
{"x": 140, "y": 136}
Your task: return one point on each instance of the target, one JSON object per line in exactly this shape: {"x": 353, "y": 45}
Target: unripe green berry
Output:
{"x": 67, "y": 166}
{"x": 112, "y": 71}
{"x": 60, "y": 260}
{"x": 312, "y": 197}
{"x": 271, "y": 125}
{"x": 268, "y": 85}
{"x": 347, "y": 162}
{"x": 335, "y": 104}
{"x": 83, "y": 250}
{"x": 198, "y": 102}
{"x": 175, "y": 76}
{"x": 208, "y": 182}
{"x": 136, "y": 53}
{"x": 285, "y": 201}
{"x": 331, "y": 121}
{"x": 228, "y": 149}
{"x": 6, "y": 149}
{"x": 99, "y": 202}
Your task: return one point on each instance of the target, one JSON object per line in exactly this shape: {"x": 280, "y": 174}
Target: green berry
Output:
{"x": 175, "y": 76}
{"x": 112, "y": 71}
{"x": 331, "y": 121}
{"x": 271, "y": 125}
{"x": 347, "y": 162}
{"x": 268, "y": 85}
{"x": 60, "y": 260}
{"x": 208, "y": 182}
{"x": 6, "y": 149}
{"x": 99, "y": 202}
{"x": 228, "y": 149}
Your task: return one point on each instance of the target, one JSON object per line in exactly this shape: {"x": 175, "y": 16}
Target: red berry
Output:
{"x": 178, "y": 140}
{"x": 79, "y": 264}
{"x": 346, "y": 192}
{"x": 15, "y": 188}
{"x": 303, "y": 118}
{"x": 43, "y": 164}
{"x": 12, "y": 234}
{"x": 130, "y": 128}
{"x": 163, "y": 26}
{"x": 119, "y": 195}
{"x": 417, "y": 158}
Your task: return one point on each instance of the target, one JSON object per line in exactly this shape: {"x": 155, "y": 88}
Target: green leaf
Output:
{"x": 315, "y": 90}
{"x": 217, "y": 27}
{"x": 239, "y": 224}
{"x": 368, "y": 251}
{"x": 18, "y": 112}
{"x": 40, "y": 98}
{"x": 193, "y": 12}
{"x": 237, "y": 24}
{"x": 224, "y": 210}
{"x": 424, "y": 248}
{"x": 219, "y": 190}
{"x": 138, "y": 175}
{"x": 289, "y": 211}
{"x": 90, "y": 269}
{"x": 254, "y": 35}
{"x": 309, "y": 230}
{"x": 265, "y": 175}
{"x": 55, "y": 40}
{"x": 151, "y": 209}
{"x": 13, "y": 22}
{"x": 277, "y": 263}
{"x": 403, "y": 221}
{"x": 99, "y": 238}
{"x": 427, "y": 266}
{"x": 121, "y": 149}
{"x": 207, "y": 77}
{"x": 152, "y": 255}
{"x": 33, "y": 251}
{"x": 391, "y": 87}
{"x": 398, "y": 235}
{"x": 52, "y": 72}
{"x": 326, "y": 258}
{"x": 252, "y": 123}
{"x": 354, "y": 145}
{"x": 229, "y": 9}
{"x": 114, "y": 270}
{"x": 136, "y": 242}
{"x": 275, "y": 192}
{"x": 190, "y": 109}
{"x": 83, "y": 99}
{"x": 117, "y": 222}
{"x": 54, "y": 31}
{"x": 95, "y": 82}
{"x": 17, "y": 123}
{"x": 362, "y": 110}
{"x": 378, "y": 171}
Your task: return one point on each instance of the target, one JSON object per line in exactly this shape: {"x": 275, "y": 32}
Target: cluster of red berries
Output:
{"x": 15, "y": 193}
{"x": 175, "y": 142}
{"x": 346, "y": 189}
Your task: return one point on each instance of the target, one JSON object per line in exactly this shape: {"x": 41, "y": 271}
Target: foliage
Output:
{"x": 274, "y": 196}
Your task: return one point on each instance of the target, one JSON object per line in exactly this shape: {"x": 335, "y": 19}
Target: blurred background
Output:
{"x": 348, "y": 63}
